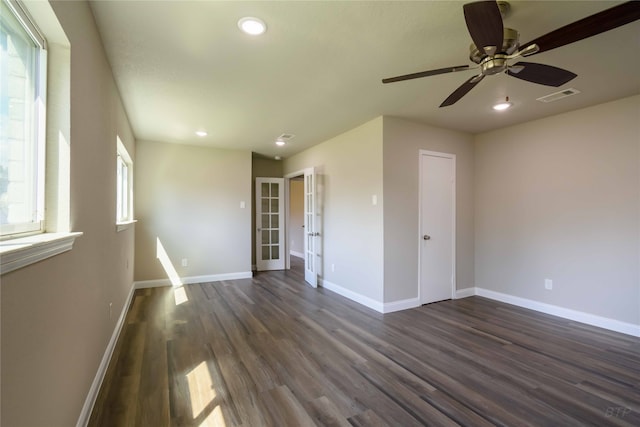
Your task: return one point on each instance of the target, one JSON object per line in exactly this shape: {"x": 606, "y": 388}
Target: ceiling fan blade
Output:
{"x": 542, "y": 74}
{"x": 484, "y": 23}
{"x": 462, "y": 91}
{"x": 426, "y": 73}
{"x": 590, "y": 26}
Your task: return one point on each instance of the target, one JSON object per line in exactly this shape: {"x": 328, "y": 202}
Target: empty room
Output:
{"x": 319, "y": 213}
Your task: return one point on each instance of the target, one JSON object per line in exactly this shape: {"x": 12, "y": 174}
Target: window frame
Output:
{"x": 124, "y": 187}
{"x": 38, "y": 139}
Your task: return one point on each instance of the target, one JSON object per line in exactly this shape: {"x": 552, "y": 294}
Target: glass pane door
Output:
{"x": 270, "y": 224}
{"x": 310, "y": 267}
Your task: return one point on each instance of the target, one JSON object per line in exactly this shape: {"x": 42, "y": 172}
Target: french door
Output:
{"x": 310, "y": 227}
{"x": 269, "y": 224}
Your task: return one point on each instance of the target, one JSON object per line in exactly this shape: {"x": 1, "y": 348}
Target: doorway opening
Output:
{"x": 295, "y": 225}
{"x": 270, "y": 221}
{"x": 302, "y": 223}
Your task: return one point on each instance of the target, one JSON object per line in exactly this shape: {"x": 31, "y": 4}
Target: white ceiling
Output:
{"x": 184, "y": 65}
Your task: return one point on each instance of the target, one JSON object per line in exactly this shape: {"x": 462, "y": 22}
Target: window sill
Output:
{"x": 18, "y": 253}
{"x": 125, "y": 225}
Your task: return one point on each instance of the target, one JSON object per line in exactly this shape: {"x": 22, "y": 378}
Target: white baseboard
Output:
{"x": 296, "y": 254}
{"x": 405, "y": 304}
{"x": 353, "y": 296}
{"x": 566, "y": 313}
{"x": 142, "y": 284}
{"x": 83, "y": 420}
{"x": 464, "y": 293}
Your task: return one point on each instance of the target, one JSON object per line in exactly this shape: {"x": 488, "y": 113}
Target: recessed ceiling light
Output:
{"x": 252, "y": 26}
{"x": 280, "y": 142}
{"x": 277, "y": 157}
{"x": 201, "y": 133}
{"x": 501, "y": 106}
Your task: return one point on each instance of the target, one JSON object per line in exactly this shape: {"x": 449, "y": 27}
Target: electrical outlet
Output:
{"x": 185, "y": 262}
{"x": 548, "y": 284}
{"x": 333, "y": 268}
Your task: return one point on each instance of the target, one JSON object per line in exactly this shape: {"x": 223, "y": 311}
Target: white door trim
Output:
{"x": 316, "y": 261}
{"x": 453, "y": 219}
{"x": 280, "y": 262}
{"x": 287, "y": 213}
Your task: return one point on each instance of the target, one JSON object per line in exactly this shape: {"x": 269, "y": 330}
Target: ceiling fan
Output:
{"x": 494, "y": 45}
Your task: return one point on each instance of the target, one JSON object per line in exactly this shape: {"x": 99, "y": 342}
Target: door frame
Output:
{"x": 281, "y": 223}
{"x": 287, "y": 201}
{"x": 421, "y": 232}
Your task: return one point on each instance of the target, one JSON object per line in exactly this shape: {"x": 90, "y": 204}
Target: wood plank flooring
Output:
{"x": 271, "y": 351}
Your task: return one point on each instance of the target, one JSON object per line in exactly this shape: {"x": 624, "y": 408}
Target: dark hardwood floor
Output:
{"x": 273, "y": 351}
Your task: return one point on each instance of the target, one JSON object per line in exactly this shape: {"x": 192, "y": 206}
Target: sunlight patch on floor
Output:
{"x": 180, "y": 295}
{"x": 214, "y": 419}
{"x": 203, "y": 395}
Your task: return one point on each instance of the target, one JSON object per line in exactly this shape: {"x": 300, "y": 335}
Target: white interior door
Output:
{"x": 270, "y": 224}
{"x": 437, "y": 226}
{"x": 310, "y": 228}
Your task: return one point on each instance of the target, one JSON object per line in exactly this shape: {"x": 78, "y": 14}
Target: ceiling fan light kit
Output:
{"x": 494, "y": 45}
{"x": 501, "y": 106}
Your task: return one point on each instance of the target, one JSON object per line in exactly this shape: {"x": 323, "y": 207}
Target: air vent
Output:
{"x": 286, "y": 137}
{"x": 558, "y": 95}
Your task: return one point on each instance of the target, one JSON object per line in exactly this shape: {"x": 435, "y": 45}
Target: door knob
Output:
{"x": 426, "y": 237}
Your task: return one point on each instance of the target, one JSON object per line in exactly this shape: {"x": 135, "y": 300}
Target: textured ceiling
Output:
{"x": 182, "y": 66}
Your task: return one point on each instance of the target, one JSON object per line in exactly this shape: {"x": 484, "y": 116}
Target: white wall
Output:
{"x": 189, "y": 198}
{"x": 349, "y": 169}
{"x": 55, "y": 313}
{"x": 559, "y": 198}
{"x": 403, "y": 140}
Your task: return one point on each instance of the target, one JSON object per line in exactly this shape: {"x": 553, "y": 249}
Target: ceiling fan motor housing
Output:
{"x": 510, "y": 44}
{"x": 494, "y": 64}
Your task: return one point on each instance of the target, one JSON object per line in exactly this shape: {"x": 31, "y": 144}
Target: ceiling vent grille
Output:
{"x": 286, "y": 137}
{"x": 558, "y": 95}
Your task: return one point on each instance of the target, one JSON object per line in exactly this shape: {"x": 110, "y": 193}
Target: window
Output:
{"x": 24, "y": 237}
{"x": 22, "y": 120}
{"x": 124, "y": 183}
